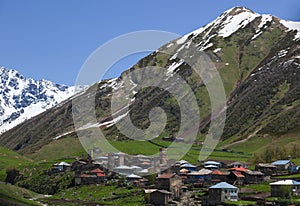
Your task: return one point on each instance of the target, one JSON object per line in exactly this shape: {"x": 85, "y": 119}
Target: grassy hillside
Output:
{"x": 66, "y": 148}
{"x": 13, "y": 195}
{"x": 259, "y": 143}
{"x": 10, "y": 159}
{"x": 108, "y": 195}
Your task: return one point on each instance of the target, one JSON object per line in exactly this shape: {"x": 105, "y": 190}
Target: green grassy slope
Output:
{"x": 13, "y": 195}
{"x": 108, "y": 195}
{"x": 10, "y": 159}
{"x": 66, "y": 148}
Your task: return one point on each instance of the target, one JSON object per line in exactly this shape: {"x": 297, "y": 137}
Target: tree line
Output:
{"x": 273, "y": 153}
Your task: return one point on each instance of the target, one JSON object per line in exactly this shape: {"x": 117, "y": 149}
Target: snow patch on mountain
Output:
{"x": 217, "y": 50}
{"x": 225, "y": 25}
{"x": 234, "y": 23}
{"x": 282, "y": 53}
{"x": 291, "y": 25}
{"x": 265, "y": 18}
{"x": 172, "y": 67}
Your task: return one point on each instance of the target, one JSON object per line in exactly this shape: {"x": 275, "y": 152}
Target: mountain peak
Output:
{"x": 234, "y": 19}
{"x": 238, "y": 9}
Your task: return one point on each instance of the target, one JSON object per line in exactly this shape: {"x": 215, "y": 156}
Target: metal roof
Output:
{"x": 266, "y": 165}
{"x": 148, "y": 191}
{"x": 211, "y": 166}
{"x": 123, "y": 167}
{"x": 133, "y": 176}
{"x": 136, "y": 167}
{"x": 188, "y": 165}
{"x": 181, "y": 162}
{"x": 63, "y": 164}
{"x": 166, "y": 176}
{"x": 212, "y": 163}
{"x": 201, "y": 172}
{"x": 249, "y": 172}
{"x": 281, "y": 162}
{"x": 286, "y": 182}
{"x": 144, "y": 171}
{"x": 164, "y": 192}
{"x": 223, "y": 185}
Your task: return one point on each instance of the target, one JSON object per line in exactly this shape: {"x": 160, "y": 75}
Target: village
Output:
{"x": 207, "y": 183}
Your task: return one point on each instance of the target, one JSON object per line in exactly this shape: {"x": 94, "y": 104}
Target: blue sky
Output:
{"x": 52, "y": 39}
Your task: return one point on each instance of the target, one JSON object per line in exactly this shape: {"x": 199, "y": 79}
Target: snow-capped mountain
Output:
{"x": 257, "y": 57}
{"x": 22, "y": 98}
{"x": 232, "y": 21}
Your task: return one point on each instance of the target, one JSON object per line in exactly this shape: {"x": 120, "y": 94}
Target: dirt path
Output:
{"x": 243, "y": 140}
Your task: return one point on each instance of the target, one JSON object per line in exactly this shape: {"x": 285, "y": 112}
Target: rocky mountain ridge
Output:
{"x": 22, "y": 98}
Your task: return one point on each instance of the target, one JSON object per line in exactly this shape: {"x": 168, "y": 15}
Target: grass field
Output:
{"x": 264, "y": 187}
{"x": 108, "y": 195}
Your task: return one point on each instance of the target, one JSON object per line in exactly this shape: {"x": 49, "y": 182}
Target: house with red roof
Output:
{"x": 95, "y": 176}
{"x": 236, "y": 178}
{"x": 218, "y": 176}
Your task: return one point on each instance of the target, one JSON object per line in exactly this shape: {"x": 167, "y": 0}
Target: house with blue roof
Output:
{"x": 221, "y": 192}
{"x": 283, "y": 165}
{"x": 189, "y": 167}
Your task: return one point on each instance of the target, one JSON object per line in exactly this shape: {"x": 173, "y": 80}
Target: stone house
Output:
{"x": 158, "y": 197}
{"x": 285, "y": 188}
{"x": 85, "y": 179}
{"x": 218, "y": 176}
{"x": 221, "y": 192}
{"x": 201, "y": 176}
{"x": 253, "y": 177}
{"x": 283, "y": 165}
{"x": 236, "y": 178}
{"x": 169, "y": 182}
{"x": 267, "y": 169}
{"x": 95, "y": 176}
